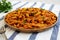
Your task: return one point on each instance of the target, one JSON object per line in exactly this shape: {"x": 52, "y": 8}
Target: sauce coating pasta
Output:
{"x": 30, "y": 18}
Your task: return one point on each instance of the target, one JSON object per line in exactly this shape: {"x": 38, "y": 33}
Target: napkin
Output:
{"x": 51, "y": 34}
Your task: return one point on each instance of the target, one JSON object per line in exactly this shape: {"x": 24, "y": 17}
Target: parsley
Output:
{"x": 24, "y": 21}
{"x": 5, "y": 6}
{"x": 32, "y": 14}
{"x": 42, "y": 9}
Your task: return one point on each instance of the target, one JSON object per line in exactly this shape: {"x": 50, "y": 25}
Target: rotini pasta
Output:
{"x": 30, "y": 18}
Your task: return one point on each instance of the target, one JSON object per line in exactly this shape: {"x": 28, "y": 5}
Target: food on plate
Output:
{"x": 31, "y": 18}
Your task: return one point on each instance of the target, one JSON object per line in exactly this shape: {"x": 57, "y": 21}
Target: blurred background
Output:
{"x": 45, "y": 1}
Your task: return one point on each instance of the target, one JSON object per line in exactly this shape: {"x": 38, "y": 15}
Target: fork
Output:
{"x": 2, "y": 33}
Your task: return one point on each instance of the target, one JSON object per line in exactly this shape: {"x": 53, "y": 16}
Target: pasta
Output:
{"x": 30, "y": 18}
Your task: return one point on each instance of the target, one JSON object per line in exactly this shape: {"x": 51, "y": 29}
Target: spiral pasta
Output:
{"x": 30, "y": 18}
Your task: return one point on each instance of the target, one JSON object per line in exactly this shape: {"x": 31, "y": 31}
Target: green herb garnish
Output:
{"x": 32, "y": 14}
{"x": 24, "y": 21}
{"x": 5, "y": 6}
{"x": 42, "y": 9}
